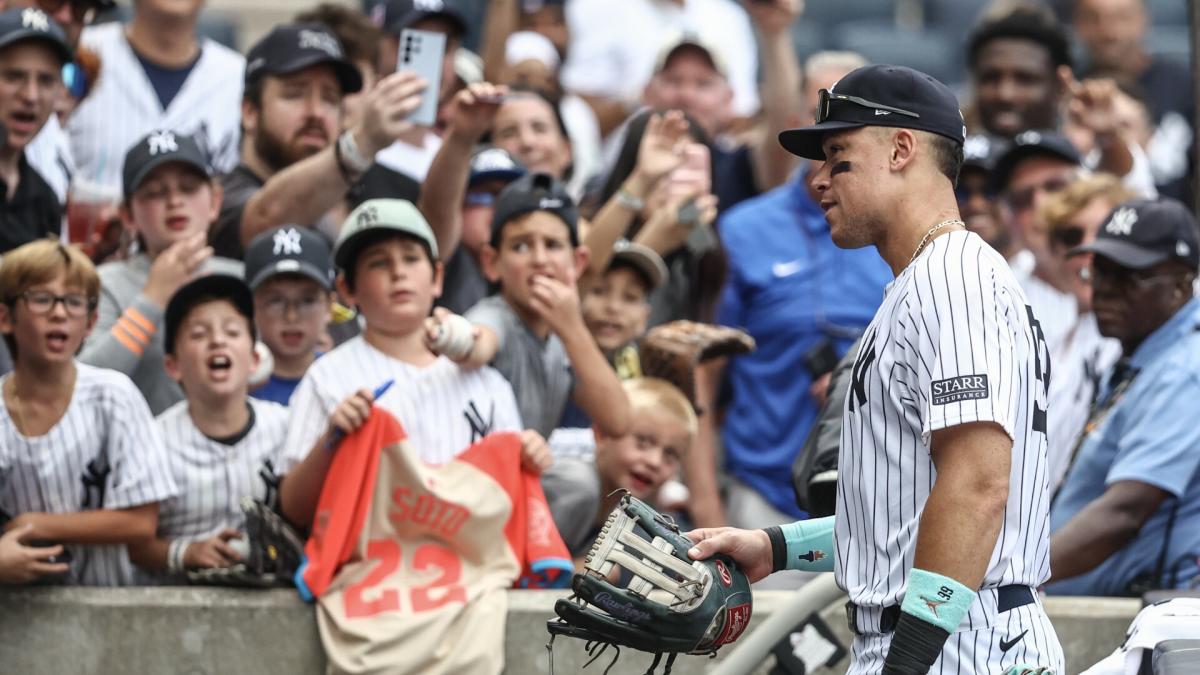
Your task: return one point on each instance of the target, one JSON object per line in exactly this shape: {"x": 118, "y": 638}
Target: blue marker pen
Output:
{"x": 338, "y": 434}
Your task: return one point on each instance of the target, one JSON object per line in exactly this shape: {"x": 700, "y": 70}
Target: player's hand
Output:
{"x": 661, "y": 148}
{"x": 350, "y": 414}
{"x": 555, "y": 302}
{"x": 175, "y": 267}
{"x": 450, "y": 335}
{"x": 535, "y": 452}
{"x": 21, "y": 564}
{"x": 385, "y": 111}
{"x": 474, "y": 109}
{"x": 214, "y": 552}
{"x": 773, "y": 17}
{"x": 750, "y": 549}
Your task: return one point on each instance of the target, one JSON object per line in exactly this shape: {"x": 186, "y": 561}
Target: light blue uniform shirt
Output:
{"x": 1151, "y": 435}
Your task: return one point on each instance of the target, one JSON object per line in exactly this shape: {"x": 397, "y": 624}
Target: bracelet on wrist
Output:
{"x": 350, "y": 159}
{"x": 630, "y": 201}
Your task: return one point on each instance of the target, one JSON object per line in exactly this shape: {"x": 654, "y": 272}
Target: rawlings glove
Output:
{"x": 669, "y": 603}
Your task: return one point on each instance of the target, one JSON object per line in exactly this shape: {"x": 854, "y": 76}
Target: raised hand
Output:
{"x": 175, "y": 267}
{"x": 661, "y": 148}
{"x": 385, "y": 111}
{"x": 774, "y": 16}
{"x": 474, "y": 109}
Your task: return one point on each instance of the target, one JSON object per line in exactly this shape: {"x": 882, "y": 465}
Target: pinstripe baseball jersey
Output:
{"x": 49, "y": 153}
{"x": 105, "y": 452}
{"x": 954, "y": 342}
{"x": 123, "y": 107}
{"x": 212, "y": 476}
{"x": 444, "y": 407}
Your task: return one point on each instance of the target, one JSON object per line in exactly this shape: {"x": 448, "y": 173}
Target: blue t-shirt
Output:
{"x": 277, "y": 389}
{"x": 1151, "y": 436}
{"x": 166, "y": 81}
{"x": 791, "y": 288}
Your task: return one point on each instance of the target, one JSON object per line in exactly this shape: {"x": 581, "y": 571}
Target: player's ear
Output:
{"x": 343, "y": 288}
{"x": 250, "y": 113}
{"x": 487, "y": 260}
{"x": 439, "y": 272}
{"x": 904, "y": 145}
{"x": 582, "y": 255}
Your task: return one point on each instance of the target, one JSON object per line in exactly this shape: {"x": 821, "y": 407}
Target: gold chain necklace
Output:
{"x": 935, "y": 228}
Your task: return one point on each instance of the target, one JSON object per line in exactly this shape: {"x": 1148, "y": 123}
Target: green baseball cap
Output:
{"x": 375, "y": 215}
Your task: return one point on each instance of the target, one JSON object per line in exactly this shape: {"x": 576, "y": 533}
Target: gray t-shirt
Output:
{"x": 537, "y": 369}
{"x": 572, "y": 488}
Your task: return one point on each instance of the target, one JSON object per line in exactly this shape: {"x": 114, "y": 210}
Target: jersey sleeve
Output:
{"x": 308, "y": 415}
{"x": 970, "y": 340}
{"x": 120, "y": 337}
{"x": 1158, "y": 442}
{"x": 139, "y": 469}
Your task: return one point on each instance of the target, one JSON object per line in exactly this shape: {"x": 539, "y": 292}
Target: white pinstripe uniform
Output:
{"x": 123, "y": 107}
{"x": 49, "y": 153}
{"x": 444, "y": 408}
{"x": 953, "y": 343}
{"x": 105, "y": 452}
{"x": 213, "y": 477}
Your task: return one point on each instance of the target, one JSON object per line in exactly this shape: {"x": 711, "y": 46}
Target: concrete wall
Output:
{"x": 202, "y": 631}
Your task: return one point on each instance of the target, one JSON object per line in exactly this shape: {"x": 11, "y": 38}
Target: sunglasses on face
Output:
{"x": 825, "y": 98}
{"x": 1022, "y": 199}
{"x": 1067, "y": 237}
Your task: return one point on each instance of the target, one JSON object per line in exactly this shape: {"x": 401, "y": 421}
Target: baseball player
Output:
{"x": 81, "y": 462}
{"x": 157, "y": 73}
{"x": 221, "y": 444}
{"x": 940, "y": 535}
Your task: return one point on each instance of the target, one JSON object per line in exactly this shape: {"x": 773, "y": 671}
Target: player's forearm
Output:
{"x": 959, "y": 528}
{"x": 101, "y": 526}
{"x": 781, "y": 98}
{"x": 300, "y": 488}
{"x": 444, "y": 189}
{"x": 598, "y": 391}
{"x": 300, "y": 195}
{"x": 501, "y": 22}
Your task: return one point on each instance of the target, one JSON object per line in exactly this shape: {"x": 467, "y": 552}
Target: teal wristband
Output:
{"x": 809, "y": 544}
{"x": 938, "y": 599}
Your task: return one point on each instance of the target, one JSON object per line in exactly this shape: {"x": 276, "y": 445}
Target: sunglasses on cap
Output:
{"x": 825, "y": 98}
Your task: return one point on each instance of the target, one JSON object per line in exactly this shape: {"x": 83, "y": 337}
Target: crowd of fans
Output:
{"x": 209, "y": 261}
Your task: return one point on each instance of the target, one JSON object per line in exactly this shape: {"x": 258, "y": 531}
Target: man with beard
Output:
{"x": 293, "y": 171}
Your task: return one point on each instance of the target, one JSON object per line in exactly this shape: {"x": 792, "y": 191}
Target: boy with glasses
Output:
{"x": 82, "y": 465}
{"x": 290, "y": 271}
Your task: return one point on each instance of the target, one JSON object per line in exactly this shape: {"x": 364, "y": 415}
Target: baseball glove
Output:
{"x": 275, "y": 552}
{"x": 673, "y": 350}
{"x": 667, "y": 604}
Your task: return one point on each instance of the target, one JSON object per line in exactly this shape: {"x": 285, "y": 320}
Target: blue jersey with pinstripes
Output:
{"x": 954, "y": 342}
{"x": 105, "y": 452}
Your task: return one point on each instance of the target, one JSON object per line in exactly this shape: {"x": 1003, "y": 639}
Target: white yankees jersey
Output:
{"x": 105, "y": 452}
{"x": 444, "y": 408}
{"x": 123, "y": 107}
{"x": 954, "y": 342}
{"x": 49, "y": 153}
{"x": 213, "y": 477}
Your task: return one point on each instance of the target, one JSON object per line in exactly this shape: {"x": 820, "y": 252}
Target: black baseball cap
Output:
{"x": 295, "y": 46}
{"x": 380, "y": 182}
{"x": 1032, "y": 143}
{"x": 494, "y": 164}
{"x": 289, "y": 249}
{"x": 1144, "y": 232}
{"x": 428, "y": 9}
{"x": 157, "y": 148}
{"x": 879, "y": 95}
{"x": 982, "y": 151}
{"x": 31, "y": 23}
{"x": 205, "y": 289}
{"x": 535, "y": 192}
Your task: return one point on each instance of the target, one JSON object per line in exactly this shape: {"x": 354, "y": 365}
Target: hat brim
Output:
{"x": 654, "y": 270}
{"x": 224, "y": 286}
{"x": 806, "y": 141}
{"x": 413, "y": 16}
{"x": 1123, "y": 253}
{"x": 291, "y": 266}
{"x": 140, "y": 177}
{"x": 345, "y": 252}
{"x": 59, "y": 47}
{"x": 506, "y": 175}
{"x": 1003, "y": 170}
{"x": 348, "y": 76}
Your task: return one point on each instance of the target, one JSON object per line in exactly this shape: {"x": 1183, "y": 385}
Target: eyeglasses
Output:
{"x": 82, "y": 11}
{"x": 42, "y": 302}
{"x": 826, "y": 97}
{"x": 1067, "y": 237}
{"x": 306, "y": 308}
{"x": 1022, "y": 199}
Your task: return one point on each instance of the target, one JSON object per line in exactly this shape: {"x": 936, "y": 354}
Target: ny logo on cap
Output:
{"x": 1182, "y": 249}
{"x": 162, "y": 141}
{"x": 1122, "y": 222}
{"x": 35, "y": 19}
{"x": 287, "y": 242}
{"x": 313, "y": 39}
{"x": 429, "y": 5}
{"x": 368, "y": 216}
{"x": 550, "y": 203}
{"x": 1030, "y": 137}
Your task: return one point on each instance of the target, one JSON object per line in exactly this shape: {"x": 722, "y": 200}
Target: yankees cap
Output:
{"x": 981, "y": 151}
{"x": 157, "y": 148}
{"x": 494, "y": 164}
{"x": 428, "y": 9}
{"x": 643, "y": 259}
{"x": 1032, "y": 143}
{"x": 290, "y": 249}
{"x": 535, "y": 192}
{"x": 293, "y": 47}
{"x": 883, "y": 96}
{"x": 31, "y": 23}
{"x": 1140, "y": 233}
{"x": 374, "y": 216}
{"x": 698, "y": 44}
{"x": 205, "y": 289}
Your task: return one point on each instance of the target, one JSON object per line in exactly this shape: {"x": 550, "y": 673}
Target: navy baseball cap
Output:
{"x": 205, "y": 289}
{"x": 494, "y": 164}
{"x": 535, "y": 192}
{"x": 292, "y": 47}
{"x": 289, "y": 250}
{"x": 157, "y": 148}
{"x": 1032, "y": 143}
{"x": 879, "y": 95}
{"x": 1140, "y": 233}
{"x": 981, "y": 151}
{"x": 31, "y": 23}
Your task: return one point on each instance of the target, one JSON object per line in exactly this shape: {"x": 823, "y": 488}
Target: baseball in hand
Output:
{"x": 241, "y": 547}
{"x": 454, "y": 338}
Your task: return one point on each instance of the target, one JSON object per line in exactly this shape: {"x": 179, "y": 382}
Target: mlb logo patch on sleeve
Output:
{"x": 961, "y": 388}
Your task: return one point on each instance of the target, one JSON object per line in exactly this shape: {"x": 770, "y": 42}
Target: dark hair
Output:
{"x": 204, "y": 299}
{"x": 1034, "y": 23}
{"x": 947, "y": 155}
{"x": 362, "y": 241}
{"x": 359, "y": 37}
{"x": 253, "y": 92}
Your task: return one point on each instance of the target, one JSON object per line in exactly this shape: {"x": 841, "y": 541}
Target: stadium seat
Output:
{"x": 953, "y": 17}
{"x": 832, "y": 13}
{"x": 928, "y": 51}
{"x": 1170, "y": 41}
